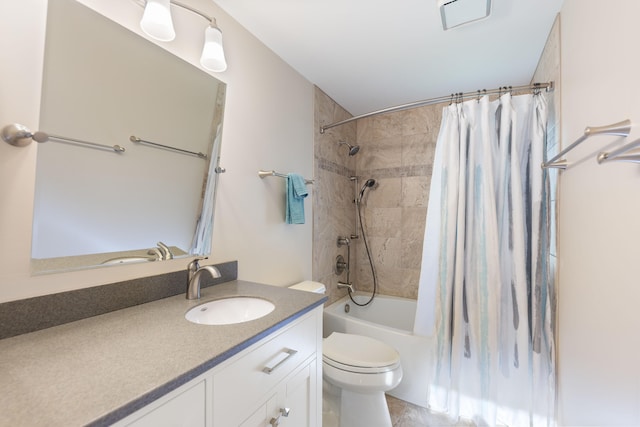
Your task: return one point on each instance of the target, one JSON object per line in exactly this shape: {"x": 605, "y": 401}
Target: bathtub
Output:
{"x": 390, "y": 320}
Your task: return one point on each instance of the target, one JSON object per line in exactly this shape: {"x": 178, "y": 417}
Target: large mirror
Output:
{"x": 96, "y": 206}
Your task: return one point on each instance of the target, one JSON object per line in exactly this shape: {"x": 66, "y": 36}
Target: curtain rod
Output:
{"x": 453, "y": 97}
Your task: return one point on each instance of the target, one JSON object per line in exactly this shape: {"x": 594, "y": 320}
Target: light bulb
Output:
{"x": 212, "y": 53}
{"x": 156, "y": 20}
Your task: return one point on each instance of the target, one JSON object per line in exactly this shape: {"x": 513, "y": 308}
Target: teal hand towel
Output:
{"x": 296, "y": 192}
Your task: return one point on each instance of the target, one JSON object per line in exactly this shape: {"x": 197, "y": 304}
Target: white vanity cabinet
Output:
{"x": 179, "y": 408}
{"x": 291, "y": 404}
{"x": 274, "y": 382}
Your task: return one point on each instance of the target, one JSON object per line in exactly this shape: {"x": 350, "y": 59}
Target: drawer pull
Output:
{"x": 279, "y": 361}
{"x": 284, "y": 412}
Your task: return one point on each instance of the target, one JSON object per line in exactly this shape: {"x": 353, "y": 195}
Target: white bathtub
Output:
{"x": 390, "y": 320}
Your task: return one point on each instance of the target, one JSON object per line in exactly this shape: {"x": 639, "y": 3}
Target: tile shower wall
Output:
{"x": 397, "y": 151}
{"x": 333, "y": 212}
{"x": 548, "y": 70}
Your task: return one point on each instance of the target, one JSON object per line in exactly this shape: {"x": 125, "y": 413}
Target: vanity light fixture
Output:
{"x": 455, "y": 13}
{"x": 157, "y": 23}
{"x": 156, "y": 20}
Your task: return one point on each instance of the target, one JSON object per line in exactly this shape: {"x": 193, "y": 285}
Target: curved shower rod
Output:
{"x": 549, "y": 86}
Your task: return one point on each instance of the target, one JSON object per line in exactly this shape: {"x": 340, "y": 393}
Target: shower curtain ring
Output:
{"x": 536, "y": 91}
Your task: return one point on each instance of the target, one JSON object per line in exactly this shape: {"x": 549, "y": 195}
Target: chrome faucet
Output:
{"x": 156, "y": 253}
{"x": 348, "y": 286}
{"x": 165, "y": 251}
{"x": 195, "y": 272}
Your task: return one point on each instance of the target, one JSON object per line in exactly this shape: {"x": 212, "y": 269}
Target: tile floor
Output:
{"x": 404, "y": 414}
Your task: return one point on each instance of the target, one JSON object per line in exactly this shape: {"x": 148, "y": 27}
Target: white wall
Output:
{"x": 599, "y": 223}
{"x": 268, "y": 124}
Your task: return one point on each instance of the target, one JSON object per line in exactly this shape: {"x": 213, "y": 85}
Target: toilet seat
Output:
{"x": 357, "y": 353}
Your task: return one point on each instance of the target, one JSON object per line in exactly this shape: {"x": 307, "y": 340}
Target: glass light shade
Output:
{"x": 455, "y": 13}
{"x": 156, "y": 20}
{"x": 212, "y": 53}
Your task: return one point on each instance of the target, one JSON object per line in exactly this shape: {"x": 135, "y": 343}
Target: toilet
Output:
{"x": 357, "y": 371}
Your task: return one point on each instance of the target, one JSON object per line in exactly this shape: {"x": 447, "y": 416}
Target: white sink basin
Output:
{"x": 229, "y": 310}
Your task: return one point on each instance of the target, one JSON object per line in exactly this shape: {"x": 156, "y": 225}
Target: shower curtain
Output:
{"x": 201, "y": 243}
{"x": 486, "y": 287}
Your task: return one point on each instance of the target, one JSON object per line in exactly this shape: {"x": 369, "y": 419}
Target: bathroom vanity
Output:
{"x": 274, "y": 382}
{"x": 148, "y": 366}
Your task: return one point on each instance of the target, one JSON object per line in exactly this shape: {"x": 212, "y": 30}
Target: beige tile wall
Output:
{"x": 397, "y": 150}
{"x": 333, "y": 212}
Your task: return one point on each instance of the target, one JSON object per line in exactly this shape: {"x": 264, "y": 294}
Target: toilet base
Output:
{"x": 330, "y": 405}
{"x": 364, "y": 409}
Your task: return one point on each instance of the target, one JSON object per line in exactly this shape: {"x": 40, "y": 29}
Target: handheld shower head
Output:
{"x": 367, "y": 184}
{"x": 353, "y": 149}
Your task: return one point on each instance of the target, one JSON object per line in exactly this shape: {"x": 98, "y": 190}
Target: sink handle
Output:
{"x": 289, "y": 353}
{"x": 194, "y": 266}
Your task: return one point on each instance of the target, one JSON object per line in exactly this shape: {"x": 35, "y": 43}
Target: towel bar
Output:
{"x": 621, "y": 154}
{"x": 19, "y": 136}
{"x": 262, "y": 174}
{"x": 619, "y": 129}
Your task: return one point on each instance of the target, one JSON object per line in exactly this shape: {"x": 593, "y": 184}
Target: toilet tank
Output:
{"x": 309, "y": 286}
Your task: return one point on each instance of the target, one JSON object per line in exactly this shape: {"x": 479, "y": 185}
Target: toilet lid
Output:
{"x": 359, "y": 351}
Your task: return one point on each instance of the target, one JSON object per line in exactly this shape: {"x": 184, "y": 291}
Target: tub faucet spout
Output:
{"x": 348, "y": 286}
{"x": 194, "y": 277}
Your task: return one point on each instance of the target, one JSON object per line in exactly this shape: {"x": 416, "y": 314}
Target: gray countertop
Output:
{"x": 99, "y": 370}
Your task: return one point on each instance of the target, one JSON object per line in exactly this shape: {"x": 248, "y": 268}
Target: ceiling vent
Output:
{"x": 455, "y": 13}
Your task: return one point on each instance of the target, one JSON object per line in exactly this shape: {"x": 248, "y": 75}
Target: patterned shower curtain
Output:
{"x": 486, "y": 287}
{"x": 201, "y": 242}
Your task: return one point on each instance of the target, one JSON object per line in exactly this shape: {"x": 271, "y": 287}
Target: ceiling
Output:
{"x": 372, "y": 54}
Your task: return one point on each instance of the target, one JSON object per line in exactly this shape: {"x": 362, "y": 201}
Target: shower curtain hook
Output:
{"x": 478, "y": 98}
{"x": 451, "y": 100}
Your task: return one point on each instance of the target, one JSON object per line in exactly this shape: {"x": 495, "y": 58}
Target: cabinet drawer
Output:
{"x": 243, "y": 384}
{"x": 186, "y": 409}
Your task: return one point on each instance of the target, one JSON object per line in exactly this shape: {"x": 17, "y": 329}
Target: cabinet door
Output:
{"x": 262, "y": 416}
{"x": 300, "y": 398}
{"x": 244, "y": 384}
